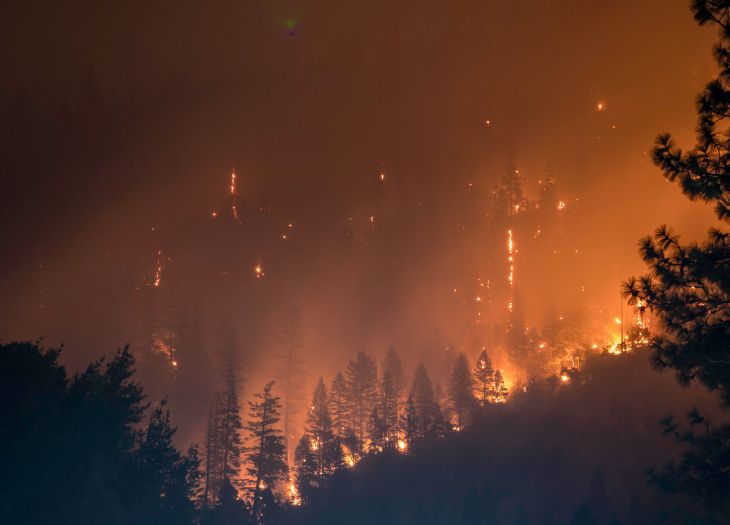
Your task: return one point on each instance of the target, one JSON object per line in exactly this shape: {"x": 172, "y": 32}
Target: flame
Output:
{"x": 259, "y": 271}
{"x": 234, "y": 195}
{"x": 402, "y": 446}
{"x": 348, "y": 456}
{"x": 510, "y": 259}
{"x": 158, "y": 270}
{"x": 294, "y": 497}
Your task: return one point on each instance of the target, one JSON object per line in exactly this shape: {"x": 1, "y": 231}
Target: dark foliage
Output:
{"x": 688, "y": 287}
{"x": 74, "y": 451}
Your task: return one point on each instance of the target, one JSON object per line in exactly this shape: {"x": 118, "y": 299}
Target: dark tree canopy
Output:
{"x": 688, "y": 285}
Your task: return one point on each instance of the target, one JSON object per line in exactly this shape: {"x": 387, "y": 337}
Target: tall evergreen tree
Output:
{"x": 688, "y": 286}
{"x": 291, "y": 373}
{"x": 213, "y": 472}
{"x": 461, "y": 387}
{"x": 483, "y": 378}
{"x": 265, "y": 453}
{"x": 388, "y": 409}
{"x": 499, "y": 390}
{"x": 229, "y": 427}
{"x": 338, "y": 403}
{"x": 392, "y": 366}
{"x": 361, "y": 376}
{"x": 429, "y": 419}
{"x": 409, "y": 429}
{"x": 165, "y": 481}
{"x": 320, "y": 430}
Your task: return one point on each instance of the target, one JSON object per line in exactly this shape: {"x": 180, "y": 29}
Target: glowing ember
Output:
{"x": 402, "y": 445}
{"x": 564, "y": 378}
{"x": 561, "y": 205}
{"x": 510, "y": 259}
{"x": 234, "y": 195}
{"x": 601, "y": 106}
{"x": 259, "y": 271}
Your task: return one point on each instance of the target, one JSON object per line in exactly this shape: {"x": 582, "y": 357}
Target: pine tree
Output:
{"x": 510, "y": 199}
{"x": 429, "y": 419}
{"x": 499, "y": 390}
{"x": 338, "y": 401}
{"x": 362, "y": 390}
{"x": 320, "y": 432}
{"x": 213, "y": 473}
{"x": 689, "y": 284}
{"x": 229, "y": 427}
{"x": 291, "y": 372}
{"x": 388, "y": 410}
{"x": 393, "y": 367}
{"x": 306, "y": 461}
{"x": 165, "y": 481}
{"x": 461, "y": 387}
{"x": 265, "y": 453}
{"x": 409, "y": 424}
{"x": 483, "y": 378}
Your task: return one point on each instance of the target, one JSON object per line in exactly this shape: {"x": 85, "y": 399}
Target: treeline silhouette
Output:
{"x": 89, "y": 449}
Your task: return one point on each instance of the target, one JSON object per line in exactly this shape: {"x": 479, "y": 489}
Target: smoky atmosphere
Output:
{"x": 291, "y": 263}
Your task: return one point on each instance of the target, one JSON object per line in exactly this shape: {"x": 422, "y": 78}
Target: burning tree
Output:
{"x": 499, "y": 390}
{"x": 361, "y": 394}
{"x": 319, "y": 429}
{"x": 688, "y": 286}
{"x": 483, "y": 378}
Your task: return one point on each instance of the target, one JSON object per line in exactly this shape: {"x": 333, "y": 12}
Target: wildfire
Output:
{"x": 158, "y": 270}
{"x": 348, "y": 456}
{"x": 402, "y": 446}
{"x": 510, "y": 259}
{"x": 564, "y": 377}
{"x": 258, "y": 271}
{"x": 561, "y": 205}
{"x": 234, "y": 195}
{"x": 294, "y": 497}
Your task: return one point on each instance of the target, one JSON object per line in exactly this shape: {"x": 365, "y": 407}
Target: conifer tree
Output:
{"x": 499, "y": 390}
{"x": 307, "y": 470}
{"x": 429, "y": 419}
{"x": 461, "y": 387}
{"x": 361, "y": 376}
{"x": 392, "y": 366}
{"x": 387, "y": 410}
{"x": 229, "y": 427}
{"x": 320, "y": 432}
{"x": 165, "y": 481}
{"x": 265, "y": 452}
{"x": 483, "y": 378}
{"x": 688, "y": 286}
{"x": 213, "y": 473}
{"x": 409, "y": 424}
{"x": 338, "y": 402}
{"x": 291, "y": 373}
